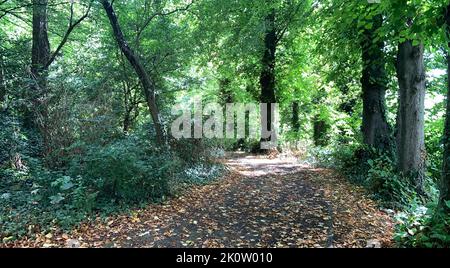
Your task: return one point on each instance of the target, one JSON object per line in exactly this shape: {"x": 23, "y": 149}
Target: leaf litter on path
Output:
{"x": 262, "y": 203}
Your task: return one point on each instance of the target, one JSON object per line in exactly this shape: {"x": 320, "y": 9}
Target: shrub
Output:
{"x": 372, "y": 169}
{"x": 103, "y": 177}
{"x": 391, "y": 188}
{"x": 423, "y": 227}
{"x": 126, "y": 170}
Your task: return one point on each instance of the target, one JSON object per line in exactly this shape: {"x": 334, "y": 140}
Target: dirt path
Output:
{"x": 261, "y": 203}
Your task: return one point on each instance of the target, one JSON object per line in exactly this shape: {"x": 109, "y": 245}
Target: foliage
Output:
{"x": 423, "y": 227}
{"x": 101, "y": 179}
{"x": 92, "y": 148}
{"x": 395, "y": 190}
{"x": 374, "y": 170}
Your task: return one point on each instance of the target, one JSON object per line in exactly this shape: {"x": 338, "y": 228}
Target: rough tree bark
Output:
{"x": 411, "y": 119}
{"x": 375, "y": 128}
{"x": 267, "y": 78}
{"x": 147, "y": 84}
{"x": 445, "y": 180}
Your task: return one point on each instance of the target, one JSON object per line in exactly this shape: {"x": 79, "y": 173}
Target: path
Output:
{"x": 261, "y": 203}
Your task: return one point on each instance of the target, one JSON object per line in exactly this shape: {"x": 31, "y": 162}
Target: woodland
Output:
{"x": 87, "y": 96}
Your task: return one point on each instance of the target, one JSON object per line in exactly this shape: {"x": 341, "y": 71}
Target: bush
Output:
{"x": 372, "y": 169}
{"x": 350, "y": 160}
{"x": 423, "y": 227}
{"x": 125, "y": 171}
{"x": 392, "y": 189}
{"x": 103, "y": 178}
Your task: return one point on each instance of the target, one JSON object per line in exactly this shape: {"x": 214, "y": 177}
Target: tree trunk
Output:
{"x": 445, "y": 180}
{"x": 226, "y": 95}
{"x": 320, "y": 131}
{"x": 147, "y": 84}
{"x": 127, "y": 121}
{"x": 410, "y": 121}
{"x": 40, "y": 55}
{"x": 41, "y": 46}
{"x": 267, "y": 79}
{"x": 2, "y": 81}
{"x": 295, "y": 117}
{"x": 375, "y": 128}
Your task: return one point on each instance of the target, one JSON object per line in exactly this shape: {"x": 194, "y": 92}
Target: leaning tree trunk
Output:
{"x": 267, "y": 78}
{"x": 144, "y": 77}
{"x": 445, "y": 180}
{"x": 375, "y": 128}
{"x": 411, "y": 119}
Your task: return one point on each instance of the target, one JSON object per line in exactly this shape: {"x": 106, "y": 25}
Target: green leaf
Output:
{"x": 66, "y": 186}
{"x": 56, "y": 199}
{"x": 447, "y": 203}
{"x": 368, "y": 26}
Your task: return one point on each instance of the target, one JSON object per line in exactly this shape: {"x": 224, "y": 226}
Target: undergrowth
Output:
{"x": 419, "y": 222}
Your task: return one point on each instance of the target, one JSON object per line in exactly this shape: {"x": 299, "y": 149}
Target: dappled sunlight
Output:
{"x": 254, "y": 166}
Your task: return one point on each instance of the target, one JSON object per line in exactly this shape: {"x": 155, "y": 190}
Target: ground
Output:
{"x": 261, "y": 202}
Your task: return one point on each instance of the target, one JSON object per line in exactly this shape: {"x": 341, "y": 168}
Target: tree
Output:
{"x": 2, "y": 80}
{"x": 296, "y": 116}
{"x": 375, "y": 128}
{"x": 411, "y": 112}
{"x": 357, "y": 29}
{"x": 278, "y": 22}
{"x": 41, "y": 59}
{"x": 445, "y": 180}
{"x": 147, "y": 83}
{"x": 267, "y": 78}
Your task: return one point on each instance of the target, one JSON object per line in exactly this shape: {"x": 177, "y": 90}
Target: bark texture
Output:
{"x": 147, "y": 84}
{"x": 375, "y": 128}
{"x": 410, "y": 121}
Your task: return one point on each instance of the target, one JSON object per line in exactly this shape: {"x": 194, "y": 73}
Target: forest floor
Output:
{"x": 261, "y": 202}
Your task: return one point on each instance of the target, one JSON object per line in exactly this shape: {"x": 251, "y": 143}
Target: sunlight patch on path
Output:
{"x": 257, "y": 166}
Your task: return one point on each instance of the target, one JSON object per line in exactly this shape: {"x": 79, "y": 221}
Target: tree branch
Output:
{"x": 291, "y": 19}
{"x": 72, "y": 26}
{"x": 154, "y": 15}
